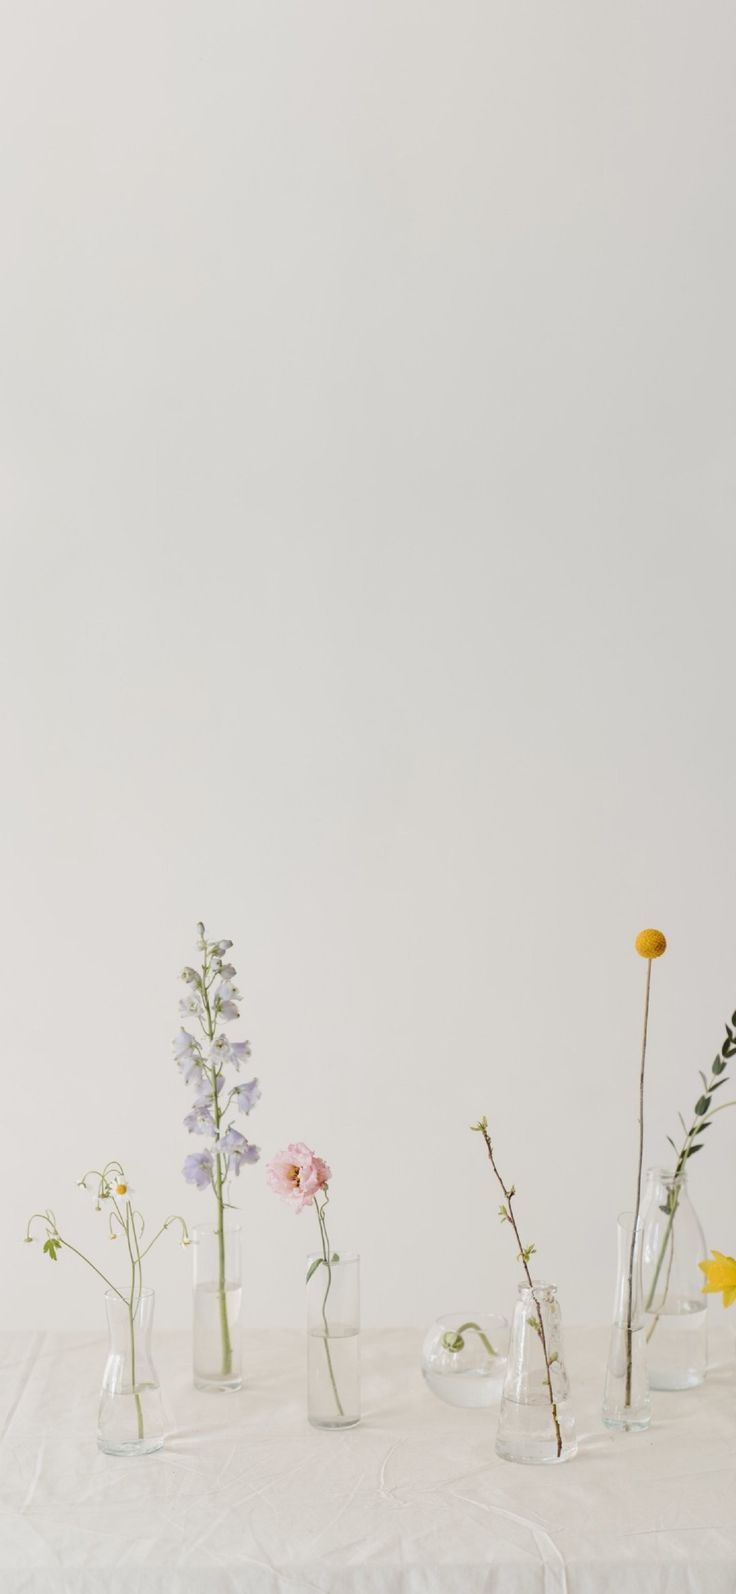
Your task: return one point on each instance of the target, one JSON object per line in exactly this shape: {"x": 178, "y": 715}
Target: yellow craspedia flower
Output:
{"x": 650, "y": 944}
{"x": 720, "y": 1275}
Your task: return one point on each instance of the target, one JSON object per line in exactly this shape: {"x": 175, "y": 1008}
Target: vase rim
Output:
{"x": 343, "y": 1256}
{"x": 197, "y": 1229}
{"x": 667, "y": 1176}
{"x": 538, "y": 1287}
{"x": 625, "y": 1220}
{"x": 144, "y": 1293}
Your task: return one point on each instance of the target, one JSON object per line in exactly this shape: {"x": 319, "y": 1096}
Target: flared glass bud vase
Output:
{"x": 218, "y": 1294}
{"x": 333, "y": 1333}
{"x": 130, "y": 1418}
{"x": 675, "y": 1315}
{"x": 626, "y": 1400}
{"x": 536, "y": 1423}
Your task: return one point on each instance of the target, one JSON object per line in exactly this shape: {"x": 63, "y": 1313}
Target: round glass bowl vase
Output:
{"x": 464, "y": 1358}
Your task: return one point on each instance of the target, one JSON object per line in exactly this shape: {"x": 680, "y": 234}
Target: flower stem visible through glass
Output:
{"x": 326, "y": 1257}
{"x": 453, "y": 1340}
{"x": 227, "y": 1348}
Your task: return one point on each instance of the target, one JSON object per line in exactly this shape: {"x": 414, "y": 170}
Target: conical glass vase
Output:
{"x": 536, "y": 1423}
{"x": 626, "y": 1402}
{"x": 130, "y": 1417}
{"x": 218, "y": 1293}
{"x": 675, "y": 1311}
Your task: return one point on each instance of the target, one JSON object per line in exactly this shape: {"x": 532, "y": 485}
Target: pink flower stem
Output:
{"x": 320, "y": 1210}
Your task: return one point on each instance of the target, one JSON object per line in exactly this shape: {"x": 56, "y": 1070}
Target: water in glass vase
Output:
{"x": 676, "y": 1316}
{"x": 678, "y": 1343}
{"x": 217, "y": 1350}
{"x": 333, "y": 1376}
{"x": 211, "y": 1339}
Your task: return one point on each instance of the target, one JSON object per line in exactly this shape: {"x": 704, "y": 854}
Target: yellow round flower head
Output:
{"x": 121, "y": 1189}
{"x": 650, "y": 944}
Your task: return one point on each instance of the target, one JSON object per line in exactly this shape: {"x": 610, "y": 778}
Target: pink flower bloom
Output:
{"x": 297, "y": 1174}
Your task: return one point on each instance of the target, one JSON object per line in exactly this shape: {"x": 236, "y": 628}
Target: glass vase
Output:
{"x": 626, "y": 1401}
{"x": 333, "y": 1329}
{"x": 130, "y": 1418}
{"x": 217, "y": 1302}
{"x": 536, "y": 1423}
{"x": 675, "y": 1311}
{"x": 464, "y": 1358}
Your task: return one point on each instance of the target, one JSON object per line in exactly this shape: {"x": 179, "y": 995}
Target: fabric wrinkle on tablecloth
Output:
{"x": 247, "y": 1497}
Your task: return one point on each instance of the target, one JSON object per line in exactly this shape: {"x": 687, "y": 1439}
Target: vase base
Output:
{"x": 133, "y": 1447}
{"x": 627, "y": 1424}
{"x": 333, "y": 1423}
{"x": 214, "y": 1385}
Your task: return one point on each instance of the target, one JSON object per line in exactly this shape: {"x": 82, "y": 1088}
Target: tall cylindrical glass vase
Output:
{"x": 333, "y": 1329}
{"x": 626, "y": 1402}
{"x": 217, "y": 1304}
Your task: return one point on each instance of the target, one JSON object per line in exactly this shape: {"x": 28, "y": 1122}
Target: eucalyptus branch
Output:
{"x": 525, "y": 1253}
{"x": 703, "y": 1114}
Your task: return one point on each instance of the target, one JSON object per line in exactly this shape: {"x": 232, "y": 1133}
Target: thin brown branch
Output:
{"x": 523, "y": 1255}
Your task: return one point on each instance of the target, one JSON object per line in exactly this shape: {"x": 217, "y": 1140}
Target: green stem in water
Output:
{"x": 328, "y": 1265}
{"x": 227, "y": 1348}
{"x": 456, "y": 1342}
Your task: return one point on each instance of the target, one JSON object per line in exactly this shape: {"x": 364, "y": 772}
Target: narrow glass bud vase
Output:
{"x": 217, "y": 1302}
{"x": 130, "y": 1418}
{"x": 333, "y": 1329}
{"x": 626, "y": 1402}
{"x": 535, "y": 1422}
{"x": 675, "y": 1315}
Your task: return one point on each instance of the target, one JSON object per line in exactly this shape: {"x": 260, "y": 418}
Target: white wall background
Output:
{"x": 369, "y": 590}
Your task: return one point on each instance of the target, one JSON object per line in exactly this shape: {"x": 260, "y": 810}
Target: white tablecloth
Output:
{"x": 247, "y": 1497}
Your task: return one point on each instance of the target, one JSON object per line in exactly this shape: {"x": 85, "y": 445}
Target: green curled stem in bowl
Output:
{"x": 453, "y": 1340}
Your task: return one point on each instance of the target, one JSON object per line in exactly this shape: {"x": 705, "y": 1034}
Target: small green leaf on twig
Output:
{"x": 525, "y": 1255}
{"x": 480, "y": 1126}
{"x": 503, "y": 1213}
{"x": 52, "y": 1246}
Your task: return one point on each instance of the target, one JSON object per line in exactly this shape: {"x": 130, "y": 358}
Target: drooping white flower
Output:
{"x": 239, "y": 1051}
{"x": 190, "y": 1005}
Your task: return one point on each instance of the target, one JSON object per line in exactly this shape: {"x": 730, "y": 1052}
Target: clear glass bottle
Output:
{"x": 675, "y": 1311}
{"x": 626, "y": 1400}
{"x": 333, "y": 1330}
{"x": 130, "y": 1418}
{"x": 536, "y": 1423}
{"x": 217, "y": 1304}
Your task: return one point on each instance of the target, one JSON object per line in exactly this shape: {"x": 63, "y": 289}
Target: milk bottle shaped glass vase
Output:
{"x": 675, "y": 1314}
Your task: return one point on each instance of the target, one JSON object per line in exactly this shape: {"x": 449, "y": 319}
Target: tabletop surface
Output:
{"x": 246, "y": 1496}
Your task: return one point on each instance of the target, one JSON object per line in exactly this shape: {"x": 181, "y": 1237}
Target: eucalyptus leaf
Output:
{"x": 693, "y": 1149}
{"x": 701, "y": 1106}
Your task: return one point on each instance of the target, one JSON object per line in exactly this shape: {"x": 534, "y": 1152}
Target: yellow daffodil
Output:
{"x": 650, "y": 944}
{"x": 720, "y": 1275}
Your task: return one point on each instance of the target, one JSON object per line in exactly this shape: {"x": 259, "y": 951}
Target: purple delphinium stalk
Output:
{"x": 210, "y": 1000}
